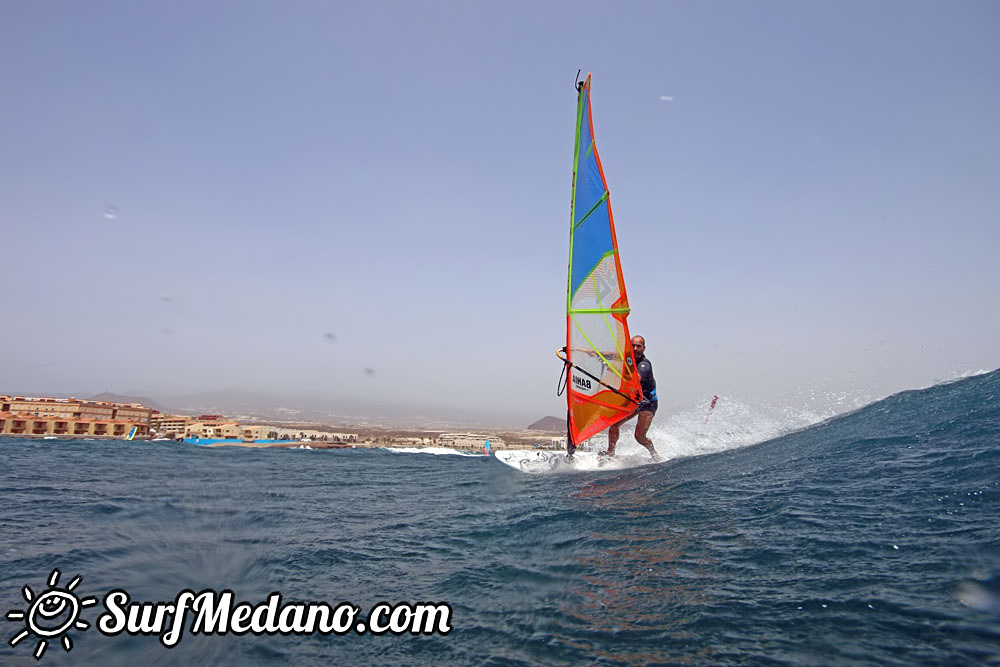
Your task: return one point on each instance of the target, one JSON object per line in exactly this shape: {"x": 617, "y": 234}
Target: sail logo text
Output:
{"x": 582, "y": 383}
{"x": 55, "y": 611}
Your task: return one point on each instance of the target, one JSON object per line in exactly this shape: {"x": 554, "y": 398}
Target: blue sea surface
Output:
{"x": 872, "y": 538}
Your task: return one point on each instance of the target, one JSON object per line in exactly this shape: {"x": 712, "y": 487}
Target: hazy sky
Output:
{"x": 280, "y": 195}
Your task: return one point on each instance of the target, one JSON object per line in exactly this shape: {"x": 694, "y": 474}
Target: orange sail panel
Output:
{"x": 603, "y": 386}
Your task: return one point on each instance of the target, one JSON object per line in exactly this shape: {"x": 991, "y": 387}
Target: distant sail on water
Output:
{"x": 602, "y": 386}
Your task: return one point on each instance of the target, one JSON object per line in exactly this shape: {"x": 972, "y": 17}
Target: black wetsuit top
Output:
{"x": 645, "y": 369}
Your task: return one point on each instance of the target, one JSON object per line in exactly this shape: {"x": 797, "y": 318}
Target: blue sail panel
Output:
{"x": 592, "y": 240}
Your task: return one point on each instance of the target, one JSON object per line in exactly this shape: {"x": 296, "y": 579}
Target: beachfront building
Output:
{"x": 71, "y": 418}
{"x": 469, "y": 441}
{"x": 251, "y": 433}
{"x": 414, "y": 441}
{"x": 213, "y": 428}
{"x": 169, "y": 426}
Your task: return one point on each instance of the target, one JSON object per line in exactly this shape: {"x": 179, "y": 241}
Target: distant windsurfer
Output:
{"x": 646, "y": 409}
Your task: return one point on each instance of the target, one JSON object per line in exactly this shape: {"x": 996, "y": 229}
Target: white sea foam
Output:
{"x": 732, "y": 424}
{"x": 431, "y": 450}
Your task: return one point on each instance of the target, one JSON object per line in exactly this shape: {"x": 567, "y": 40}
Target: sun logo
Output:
{"x": 51, "y": 614}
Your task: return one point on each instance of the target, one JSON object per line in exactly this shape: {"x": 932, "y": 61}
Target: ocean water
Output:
{"x": 869, "y": 538}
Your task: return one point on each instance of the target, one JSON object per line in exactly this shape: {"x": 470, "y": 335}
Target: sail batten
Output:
{"x": 603, "y": 386}
{"x": 594, "y": 208}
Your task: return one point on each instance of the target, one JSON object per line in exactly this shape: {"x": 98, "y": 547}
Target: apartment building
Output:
{"x": 213, "y": 428}
{"x": 71, "y": 418}
{"x": 169, "y": 426}
{"x": 469, "y": 441}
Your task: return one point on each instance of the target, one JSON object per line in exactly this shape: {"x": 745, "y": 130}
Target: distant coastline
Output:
{"x": 50, "y": 418}
{"x": 498, "y": 440}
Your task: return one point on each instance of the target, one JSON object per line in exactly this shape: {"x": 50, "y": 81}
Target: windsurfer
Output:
{"x": 646, "y": 409}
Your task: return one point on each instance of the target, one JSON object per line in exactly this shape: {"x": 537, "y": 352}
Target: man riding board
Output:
{"x": 646, "y": 409}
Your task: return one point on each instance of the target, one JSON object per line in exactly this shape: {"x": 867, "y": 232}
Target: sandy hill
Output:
{"x": 553, "y": 424}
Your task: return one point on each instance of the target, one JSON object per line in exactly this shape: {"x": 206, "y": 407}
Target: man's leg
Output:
{"x": 612, "y": 438}
{"x": 641, "y": 426}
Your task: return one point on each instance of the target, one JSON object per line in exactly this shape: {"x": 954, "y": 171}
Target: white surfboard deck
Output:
{"x": 548, "y": 460}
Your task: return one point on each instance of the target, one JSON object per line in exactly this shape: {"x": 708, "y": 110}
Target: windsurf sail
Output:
{"x": 602, "y": 384}
{"x": 131, "y": 434}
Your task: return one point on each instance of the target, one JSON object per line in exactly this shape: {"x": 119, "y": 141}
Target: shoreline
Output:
{"x": 516, "y": 440}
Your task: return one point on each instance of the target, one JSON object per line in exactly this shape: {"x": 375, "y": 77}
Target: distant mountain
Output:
{"x": 120, "y": 398}
{"x": 275, "y": 407}
{"x": 226, "y": 402}
{"x": 549, "y": 424}
{"x": 246, "y": 405}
